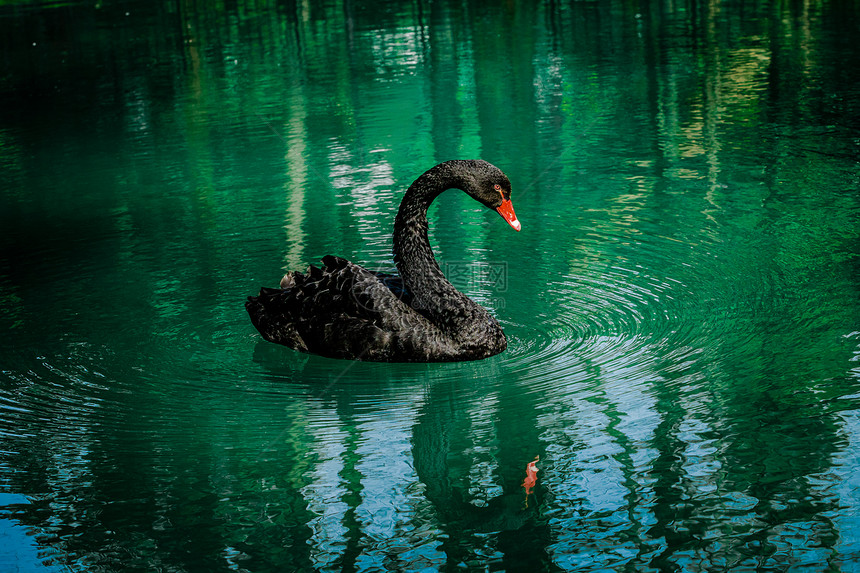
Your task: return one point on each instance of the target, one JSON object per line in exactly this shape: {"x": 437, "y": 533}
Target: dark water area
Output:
{"x": 682, "y": 305}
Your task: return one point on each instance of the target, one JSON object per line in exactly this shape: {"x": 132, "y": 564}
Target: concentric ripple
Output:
{"x": 636, "y": 312}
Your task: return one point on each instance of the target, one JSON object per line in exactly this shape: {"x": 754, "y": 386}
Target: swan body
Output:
{"x": 342, "y": 310}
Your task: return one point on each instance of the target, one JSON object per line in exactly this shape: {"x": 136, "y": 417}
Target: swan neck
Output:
{"x": 433, "y": 295}
{"x": 412, "y": 252}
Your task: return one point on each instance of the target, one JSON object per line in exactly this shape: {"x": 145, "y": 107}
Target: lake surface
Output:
{"x": 682, "y": 305}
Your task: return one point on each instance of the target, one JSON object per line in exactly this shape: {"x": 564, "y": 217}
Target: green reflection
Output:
{"x": 682, "y": 303}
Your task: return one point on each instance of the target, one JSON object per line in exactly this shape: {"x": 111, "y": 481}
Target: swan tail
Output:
{"x": 317, "y": 311}
{"x": 267, "y": 312}
{"x": 340, "y": 310}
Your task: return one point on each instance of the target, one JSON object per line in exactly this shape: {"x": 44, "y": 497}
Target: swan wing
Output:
{"x": 342, "y": 310}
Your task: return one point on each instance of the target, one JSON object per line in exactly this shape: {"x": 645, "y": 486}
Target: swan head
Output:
{"x": 487, "y": 184}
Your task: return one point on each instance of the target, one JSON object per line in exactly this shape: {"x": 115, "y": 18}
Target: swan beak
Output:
{"x": 506, "y": 210}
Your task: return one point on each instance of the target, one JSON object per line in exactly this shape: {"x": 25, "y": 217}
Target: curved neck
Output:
{"x": 433, "y": 295}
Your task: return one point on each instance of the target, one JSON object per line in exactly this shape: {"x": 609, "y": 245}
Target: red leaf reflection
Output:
{"x": 531, "y": 476}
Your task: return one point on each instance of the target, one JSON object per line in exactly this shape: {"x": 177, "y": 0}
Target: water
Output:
{"x": 682, "y": 303}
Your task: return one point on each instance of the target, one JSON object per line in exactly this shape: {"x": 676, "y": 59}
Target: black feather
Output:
{"x": 343, "y": 310}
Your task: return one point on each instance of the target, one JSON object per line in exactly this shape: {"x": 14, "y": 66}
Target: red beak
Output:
{"x": 506, "y": 210}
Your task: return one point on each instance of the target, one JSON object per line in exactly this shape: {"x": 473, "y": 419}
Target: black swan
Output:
{"x": 343, "y": 310}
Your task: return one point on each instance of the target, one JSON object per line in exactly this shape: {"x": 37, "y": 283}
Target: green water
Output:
{"x": 681, "y": 305}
